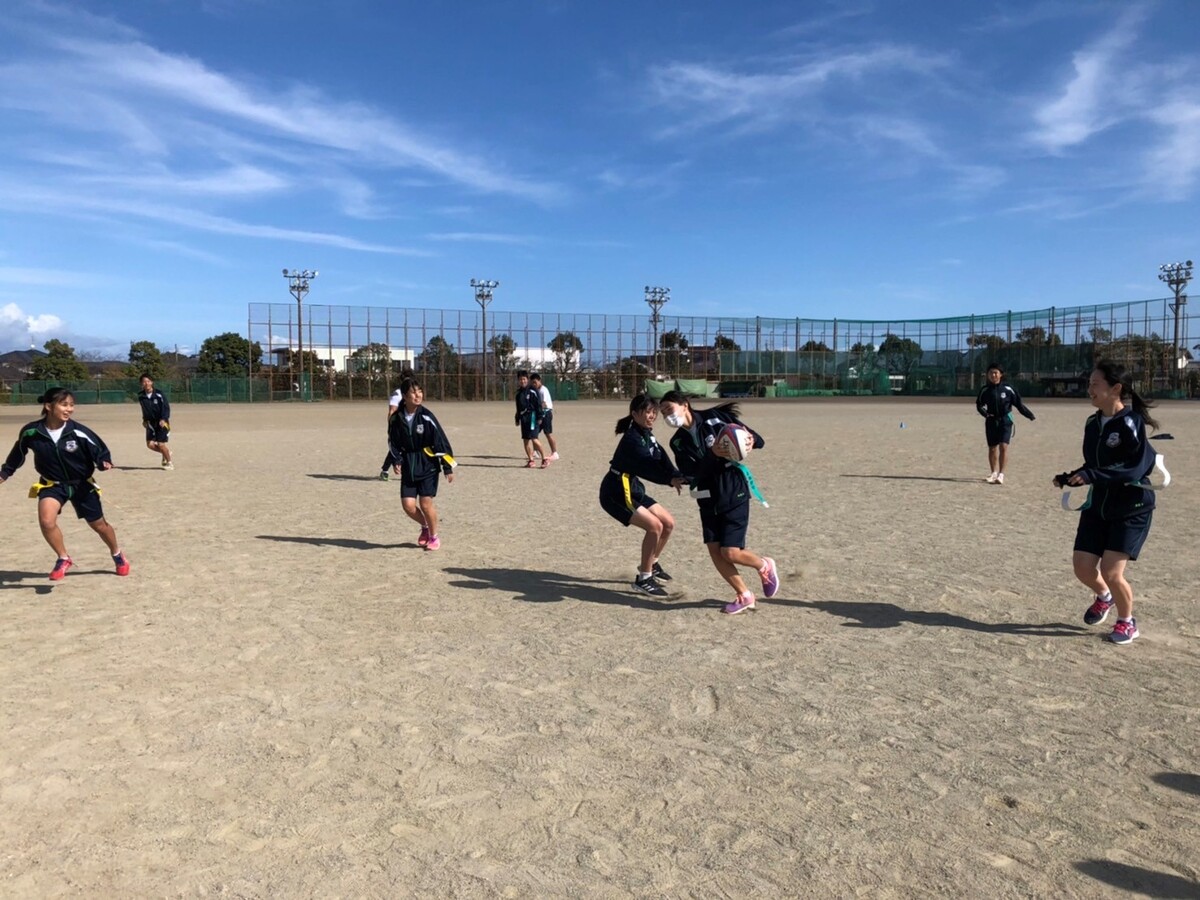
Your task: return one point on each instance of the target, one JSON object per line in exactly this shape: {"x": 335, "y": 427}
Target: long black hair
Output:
{"x": 639, "y": 403}
{"x": 1114, "y": 374}
{"x": 678, "y": 398}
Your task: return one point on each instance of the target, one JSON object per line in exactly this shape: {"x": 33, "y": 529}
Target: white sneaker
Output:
{"x": 991, "y": 479}
{"x": 168, "y": 466}
{"x": 554, "y": 455}
{"x": 1000, "y": 478}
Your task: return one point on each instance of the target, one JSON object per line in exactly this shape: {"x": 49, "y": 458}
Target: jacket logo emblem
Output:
{"x": 420, "y": 428}
{"x": 71, "y": 446}
{"x": 1114, "y": 440}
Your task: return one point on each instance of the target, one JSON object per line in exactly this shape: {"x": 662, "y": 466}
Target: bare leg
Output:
{"x": 529, "y": 450}
{"x": 993, "y": 453}
{"x": 409, "y": 505}
{"x": 1087, "y": 570}
{"x": 1003, "y": 458}
{"x": 166, "y": 452}
{"x": 107, "y": 534}
{"x": 1112, "y": 570}
{"x": 552, "y": 442}
{"x": 658, "y": 525}
{"x": 48, "y": 511}
{"x": 726, "y": 568}
{"x": 429, "y": 512}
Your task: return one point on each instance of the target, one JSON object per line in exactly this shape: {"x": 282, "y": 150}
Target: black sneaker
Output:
{"x": 649, "y": 586}
{"x": 658, "y": 573}
{"x": 1097, "y": 612}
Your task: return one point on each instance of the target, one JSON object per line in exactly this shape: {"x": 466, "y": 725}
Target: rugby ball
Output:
{"x": 733, "y": 443}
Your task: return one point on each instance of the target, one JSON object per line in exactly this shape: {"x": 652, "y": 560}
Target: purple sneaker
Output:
{"x": 423, "y": 540}
{"x": 770, "y": 577}
{"x": 740, "y": 605}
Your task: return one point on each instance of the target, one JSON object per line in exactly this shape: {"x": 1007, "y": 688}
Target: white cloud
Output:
{"x": 20, "y": 330}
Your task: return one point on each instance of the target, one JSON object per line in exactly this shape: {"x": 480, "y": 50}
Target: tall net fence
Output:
{"x": 360, "y": 352}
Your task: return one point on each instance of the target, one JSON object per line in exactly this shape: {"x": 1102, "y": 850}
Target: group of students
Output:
{"x": 66, "y": 455}
{"x": 1113, "y": 526}
{"x": 1114, "y": 520}
{"x": 534, "y": 416}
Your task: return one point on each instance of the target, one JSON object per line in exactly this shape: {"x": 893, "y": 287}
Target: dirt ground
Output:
{"x": 288, "y": 698}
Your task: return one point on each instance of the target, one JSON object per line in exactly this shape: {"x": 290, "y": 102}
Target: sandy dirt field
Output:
{"x": 288, "y": 698}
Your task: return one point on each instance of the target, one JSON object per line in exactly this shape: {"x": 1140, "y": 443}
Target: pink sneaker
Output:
{"x": 770, "y": 577}
{"x": 423, "y": 540}
{"x": 740, "y": 605}
{"x": 121, "y": 561}
{"x": 61, "y": 567}
{"x": 434, "y": 543}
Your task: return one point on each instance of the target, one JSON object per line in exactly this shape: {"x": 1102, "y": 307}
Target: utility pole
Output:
{"x": 1176, "y": 276}
{"x": 656, "y": 297}
{"x": 483, "y": 296}
{"x": 298, "y": 285}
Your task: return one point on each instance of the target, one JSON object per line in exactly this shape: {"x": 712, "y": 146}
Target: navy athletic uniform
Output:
{"x": 529, "y": 413}
{"x": 1117, "y": 461}
{"x": 408, "y": 441}
{"x": 66, "y": 468}
{"x": 637, "y": 456}
{"x": 995, "y": 403}
{"x": 155, "y": 408}
{"x": 719, "y": 486}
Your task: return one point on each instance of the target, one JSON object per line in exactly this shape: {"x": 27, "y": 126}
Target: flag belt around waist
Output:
{"x": 1160, "y": 466}
{"x": 42, "y": 484}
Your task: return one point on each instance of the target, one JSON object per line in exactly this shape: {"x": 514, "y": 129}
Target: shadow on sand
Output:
{"x": 889, "y": 615}
{"x": 1145, "y": 882}
{"x": 919, "y": 478}
{"x": 532, "y": 586}
{"x": 345, "y": 543}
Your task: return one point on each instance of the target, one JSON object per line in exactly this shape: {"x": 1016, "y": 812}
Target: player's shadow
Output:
{"x": 345, "y": 543}
{"x": 157, "y": 468}
{"x": 1180, "y": 781}
{"x": 14, "y": 581}
{"x": 889, "y": 615}
{"x": 918, "y": 478}
{"x": 554, "y": 587}
{"x": 337, "y": 477}
{"x": 491, "y": 465}
{"x": 1139, "y": 880}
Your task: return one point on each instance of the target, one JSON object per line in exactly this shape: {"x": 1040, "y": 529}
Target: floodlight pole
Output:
{"x": 656, "y": 297}
{"x": 298, "y": 285}
{"x": 483, "y": 296}
{"x": 1176, "y": 276}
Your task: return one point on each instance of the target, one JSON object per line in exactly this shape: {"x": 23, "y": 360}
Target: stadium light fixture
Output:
{"x": 1176, "y": 276}
{"x": 483, "y": 296}
{"x": 298, "y": 286}
{"x": 656, "y": 297}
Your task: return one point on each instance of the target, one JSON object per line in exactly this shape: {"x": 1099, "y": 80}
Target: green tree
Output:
{"x": 438, "y": 357}
{"x": 723, "y": 344}
{"x": 899, "y": 354}
{"x": 567, "y": 348}
{"x": 145, "y": 357}
{"x": 59, "y": 364}
{"x": 373, "y": 359}
{"x": 626, "y": 376}
{"x": 675, "y": 350}
{"x": 811, "y": 346}
{"x": 504, "y": 349}
{"x": 229, "y": 354}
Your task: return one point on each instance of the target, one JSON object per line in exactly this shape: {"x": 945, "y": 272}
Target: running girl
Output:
{"x": 65, "y": 455}
{"x": 156, "y": 418}
{"x": 420, "y": 451}
{"x": 1114, "y": 523}
{"x": 995, "y": 404}
{"x": 622, "y": 496}
{"x": 722, "y": 490}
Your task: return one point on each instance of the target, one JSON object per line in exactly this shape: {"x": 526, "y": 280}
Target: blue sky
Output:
{"x": 162, "y": 160}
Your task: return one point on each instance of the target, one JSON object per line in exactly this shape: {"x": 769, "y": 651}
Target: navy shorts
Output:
{"x": 727, "y": 529}
{"x": 999, "y": 431}
{"x": 548, "y": 422}
{"x": 1095, "y": 535}
{"x": 85, "y": 498}
{"x": 528, "y": 432}
{"x": 157, "y": 433}
{"x": 615, "y": 506}
{"x": 421, "y": 487}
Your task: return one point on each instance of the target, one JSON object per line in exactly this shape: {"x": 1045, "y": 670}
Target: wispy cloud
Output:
{"x": 480, "y": 236}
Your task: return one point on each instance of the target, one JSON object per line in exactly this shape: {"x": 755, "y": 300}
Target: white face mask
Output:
{"x": 675, "y": 420}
